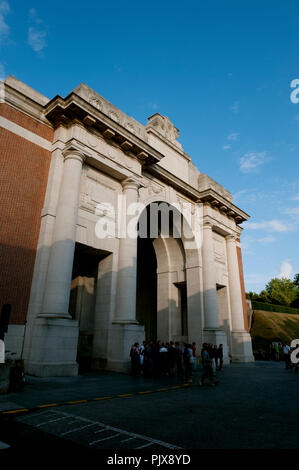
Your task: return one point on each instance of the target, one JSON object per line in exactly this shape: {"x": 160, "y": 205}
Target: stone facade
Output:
{"x": 92, "y": 297}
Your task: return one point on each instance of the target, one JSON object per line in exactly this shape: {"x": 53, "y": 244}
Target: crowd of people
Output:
{"x": 155, "y": 358}
{"x": 278, "y": 351}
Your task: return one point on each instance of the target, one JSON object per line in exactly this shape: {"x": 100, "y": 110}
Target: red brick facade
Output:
{"x": 24, "y": 170}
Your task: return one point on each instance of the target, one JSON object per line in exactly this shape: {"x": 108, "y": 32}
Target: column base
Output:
{"x": 241, "y": 347}
{"x": 121, "y": 337}
{"x": 217, "y": 336}
{"x": 53, "y": 348}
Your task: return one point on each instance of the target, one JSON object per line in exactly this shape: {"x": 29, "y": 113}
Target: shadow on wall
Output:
{"x": 16, "y": 268}
{"x": 92, "y": 303}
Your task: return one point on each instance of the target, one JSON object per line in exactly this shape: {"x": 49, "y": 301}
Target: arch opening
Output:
{"x": 162, "y": 290}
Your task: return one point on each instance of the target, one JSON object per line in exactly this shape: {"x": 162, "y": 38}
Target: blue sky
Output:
{"x": 221, "y": 71}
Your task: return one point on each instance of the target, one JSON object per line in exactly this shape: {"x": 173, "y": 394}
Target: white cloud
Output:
{"x": 226, "y": 147}
{"x": 293, "y": 211}
{"x": 296, "y": 197}
{"x": 233, "y": 136}
{"x": 36, "y": 39}
{"x": 286, "y": 269}
{"x": 266, "y": 240}
{"x": 252, "y": 161}
{"x": 269, "y": 226}
{"x": 4, "y": 28}
{"x": 36, "y": 32}
{"x": 235, "y": 107}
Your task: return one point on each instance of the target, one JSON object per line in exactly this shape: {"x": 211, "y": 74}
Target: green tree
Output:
{"x": 295, "y": 303}
{"x": 282, "y": 291}
{"x": 263, "y": 296}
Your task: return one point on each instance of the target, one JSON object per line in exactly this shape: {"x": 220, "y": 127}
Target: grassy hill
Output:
{"x": 272, "y": 326}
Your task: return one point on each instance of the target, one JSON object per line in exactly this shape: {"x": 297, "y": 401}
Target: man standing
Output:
{"x": 178, "y": 359}
{"x": 220, "y": 357}
{"x": 276, "y": 349}
{"x": 207, "y": 367}
{"x": 193, "y": 347}
{"x": 286, "y": 356}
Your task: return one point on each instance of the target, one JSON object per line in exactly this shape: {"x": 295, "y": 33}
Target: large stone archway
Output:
{"x": 169, "y": 300}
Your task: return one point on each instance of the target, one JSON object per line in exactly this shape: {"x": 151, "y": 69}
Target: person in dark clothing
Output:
{"x": 188, "y": 360}
{"x": 207, "y": 367}
{"x": 163, "y": 359}
{"x": 178, "y": 359}
{"x": 211, "y": 352}
{"x": 171, "y": 359}
{"x": 148, "y": 359}
{"x": 220, "y": 357}
{"x": 156, "y": 358}
{"x": 135, "y": 359}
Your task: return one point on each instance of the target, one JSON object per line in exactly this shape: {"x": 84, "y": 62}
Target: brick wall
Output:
{"x": 24, "y": 170}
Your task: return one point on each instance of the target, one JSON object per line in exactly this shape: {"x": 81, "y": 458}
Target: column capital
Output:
{"x": 207, "y": 225}
{"x": 73, "y": 151}
{"x": 130, "y": 183}
{"x": 232, "y": 237}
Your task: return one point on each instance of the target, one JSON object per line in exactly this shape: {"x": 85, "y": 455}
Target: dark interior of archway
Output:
{"x": 146, "y": 299}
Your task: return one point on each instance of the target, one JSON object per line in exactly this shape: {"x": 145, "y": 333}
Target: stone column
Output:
{"x": 59, "y": 275}
{"x": 127, "y": 260}
{"x": 241, "y": 340}
{"x": 212, "y": 333}
{"x": 125, "y": 329}
{"x": 55, "y": 333}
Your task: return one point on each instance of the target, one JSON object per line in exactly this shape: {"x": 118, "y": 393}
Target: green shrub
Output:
{"x": 273, "y": 308}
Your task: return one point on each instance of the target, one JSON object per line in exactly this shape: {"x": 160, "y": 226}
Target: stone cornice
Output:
{"x": 23, "y": 103}
{"x": 217, "y": 201}
{"x": 75, "y": 107}
{"x": 210, "y": 196}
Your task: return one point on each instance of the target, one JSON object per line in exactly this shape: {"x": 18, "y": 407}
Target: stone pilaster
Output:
{"x": 212, "y": 332}
{"x": 59, "y": 276}
{"x": 125, "y": 329}
{"x": 241, "y": 340}
{"x": 127, "y": 260}
{"x": 209, "y": 279}
{"x": 55, "y": 334}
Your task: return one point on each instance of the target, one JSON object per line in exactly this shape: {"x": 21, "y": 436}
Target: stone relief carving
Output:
{"x": 110, "y": 110}
{"x": 114, "y": 116}
{"x": 151, "y": 188}
{"x": 96, "y": 102}
{"x": 219, "y": 251}
{"x": 164, "y": 126}
{"x": 94, "y": 191}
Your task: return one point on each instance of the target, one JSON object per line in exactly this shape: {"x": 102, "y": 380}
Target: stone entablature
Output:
{"x": 107, "y": 108}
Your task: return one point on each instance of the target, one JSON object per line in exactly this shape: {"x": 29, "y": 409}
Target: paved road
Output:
{"x": 253, "y": 407}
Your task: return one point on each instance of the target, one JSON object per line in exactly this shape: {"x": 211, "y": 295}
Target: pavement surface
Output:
{"x": 254, "y": 406}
